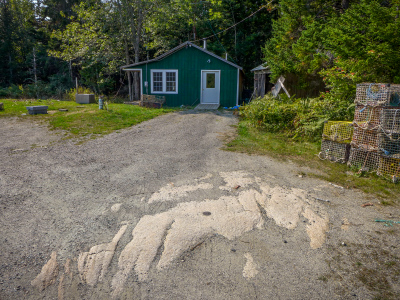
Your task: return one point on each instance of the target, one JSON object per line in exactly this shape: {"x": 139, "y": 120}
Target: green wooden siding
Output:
{"x": 190, "y": 62}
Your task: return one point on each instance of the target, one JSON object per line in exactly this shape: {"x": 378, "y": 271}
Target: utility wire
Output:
{"x": 209, "y": 23}
{"x": 261, "y": 8}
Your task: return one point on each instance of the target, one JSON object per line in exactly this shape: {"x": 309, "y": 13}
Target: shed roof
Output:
{"x": 185, "y": 44}
{"x": 262, "y": 67}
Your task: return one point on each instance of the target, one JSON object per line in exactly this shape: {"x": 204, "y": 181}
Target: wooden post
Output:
{"x": 76, "y": 82}
{"x": 130, "y": 85}
{"x": 262, "y": 84}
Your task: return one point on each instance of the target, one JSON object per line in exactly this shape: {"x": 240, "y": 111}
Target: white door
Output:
{"x": 210, "y": 87}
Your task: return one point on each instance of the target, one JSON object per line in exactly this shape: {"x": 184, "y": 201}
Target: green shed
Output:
{"x": 190, "y": 75}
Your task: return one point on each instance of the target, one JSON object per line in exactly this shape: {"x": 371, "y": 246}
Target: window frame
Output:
{"x": 164, "y": 81}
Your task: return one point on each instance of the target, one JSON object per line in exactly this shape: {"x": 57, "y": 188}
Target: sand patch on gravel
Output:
{"x": 284, "y": 206}
{"x": 234, "y": 179}
{"x": 250, "y": 269}
{"x": 345, "y": 224}
{"x": 316, "y": 229}
{"x": 61, "y": 288}
{"x": 230, "y": 217}
{"x": 208, "y": 176}
{"x": 172, "y": 193}
{"x": 190, "y": 223}
{"x": 93, "y": 265}
{"x": 61, "y": 284}
{"x": 116, "y": 207}
{"x": 48, "y": 275}
{"x": 184, "y": 227}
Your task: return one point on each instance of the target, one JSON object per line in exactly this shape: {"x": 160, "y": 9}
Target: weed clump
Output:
{"x": 296, "y": 118}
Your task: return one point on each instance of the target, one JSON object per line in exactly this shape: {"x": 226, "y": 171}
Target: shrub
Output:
{"x": 70, "y": 95}
{"x": 12, "y": 91}
{"x": 297, "y": 118}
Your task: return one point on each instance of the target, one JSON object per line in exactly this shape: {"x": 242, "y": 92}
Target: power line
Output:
{"x": 206, "y": 38}
{"x": 220, "y": 42}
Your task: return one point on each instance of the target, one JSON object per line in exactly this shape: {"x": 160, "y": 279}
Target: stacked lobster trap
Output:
{"x": 336, "y": 139}
{"x": 372, "y": 141}
{"x": 375, "y": 145}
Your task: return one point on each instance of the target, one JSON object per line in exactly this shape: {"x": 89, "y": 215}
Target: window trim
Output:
{"x": 164, "y": 81}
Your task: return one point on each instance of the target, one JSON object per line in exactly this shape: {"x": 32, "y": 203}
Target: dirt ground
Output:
{"x": 159, "y": 211}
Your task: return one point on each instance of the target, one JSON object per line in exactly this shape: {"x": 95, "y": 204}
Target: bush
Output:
{"x": 12, "y": 91}
{"x": 70, "y": 95}
{"x": 297, "y": 118}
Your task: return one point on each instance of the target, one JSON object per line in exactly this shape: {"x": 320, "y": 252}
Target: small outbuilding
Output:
{"x": 190, "y": 75}
{"x": 294, "y": 85}
{"x": 262, "y": 81}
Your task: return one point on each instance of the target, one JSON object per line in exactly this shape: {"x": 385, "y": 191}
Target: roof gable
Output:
{"x": 176, "y": 49}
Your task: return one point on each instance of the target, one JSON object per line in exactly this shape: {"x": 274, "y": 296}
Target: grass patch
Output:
{"x": 83, "y": 119}
{"x": 254, "y": 141}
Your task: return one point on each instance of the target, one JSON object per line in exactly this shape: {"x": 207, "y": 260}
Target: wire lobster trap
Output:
{"x": 334, "y": 151}
{"x": 390, "y": 121}
{"x": 389, "y": 144}
{"x": 378, "y": 94}
{"x": 338, "y": 131}
{"x": 365, "y": 139}
{"x": 389, "y": 167}
{"x": 363, "y": 160}
{"x": 367, "y": 116}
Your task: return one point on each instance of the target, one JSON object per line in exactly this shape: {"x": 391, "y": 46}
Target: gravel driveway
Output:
{"x": 159, "y": 211}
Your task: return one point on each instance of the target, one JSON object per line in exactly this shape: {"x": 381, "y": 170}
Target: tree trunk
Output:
{"x": 128, "y": 61}
{"x": 11, "y": 71}
{"x": 136, "y": 78}
{"x": 35, "y": 71}
{"x": 130, "y": 86}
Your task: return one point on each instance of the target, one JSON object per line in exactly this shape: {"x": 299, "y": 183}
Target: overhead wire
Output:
{"x": 209, "y": 23}
{"x": 215, "y": 34}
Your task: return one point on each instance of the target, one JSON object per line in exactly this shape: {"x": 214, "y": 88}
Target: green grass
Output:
{"x": 253, "y": 141}
{"x": 83, "y": 119}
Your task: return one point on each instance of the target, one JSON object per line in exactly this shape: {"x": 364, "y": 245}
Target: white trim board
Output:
{"x": 141, "y": 77}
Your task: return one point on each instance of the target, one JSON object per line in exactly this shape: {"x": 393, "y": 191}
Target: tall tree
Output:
{"x": 345, "y": 42}
{"x": 92, "y": 43}
{"x": 134, "y": 14}
{"x": 7, "y": 28}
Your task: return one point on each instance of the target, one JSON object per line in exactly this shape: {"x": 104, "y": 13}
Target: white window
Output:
{"x": 164, "y": 81}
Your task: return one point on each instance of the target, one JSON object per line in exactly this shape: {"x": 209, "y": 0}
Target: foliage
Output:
{"x": 297, "y": 118}
{"x": 40, "y": 90}
{"x": 365, "y": 47}
{"x": 90, "y": 42}
{"x": 295, "y": 43}
{"x": 51, "y": 42}
{"x": 70, "y": 94}
{"x": 344, "y": 44}
{"x": 24, "y": 36}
